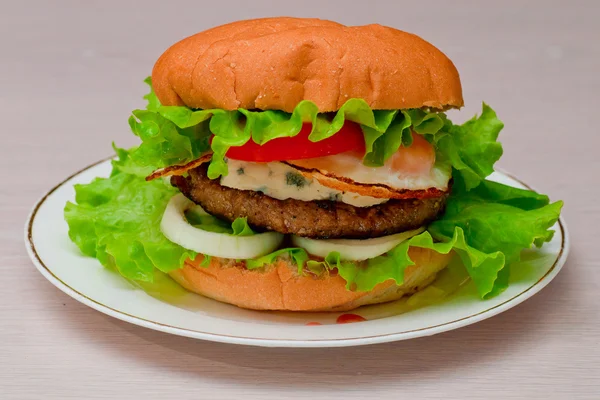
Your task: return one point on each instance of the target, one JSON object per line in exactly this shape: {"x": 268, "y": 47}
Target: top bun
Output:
{"x": 274, "y": 63}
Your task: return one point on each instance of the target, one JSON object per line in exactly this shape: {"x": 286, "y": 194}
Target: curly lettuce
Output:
{"x": 117, "y": 221}
{"x": 174, "y": 135}
{"x": 486, "y": 224}
{"x": 486, "y": 227}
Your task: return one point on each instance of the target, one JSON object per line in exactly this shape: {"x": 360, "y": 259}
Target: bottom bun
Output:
{"x": 279, "y": 287}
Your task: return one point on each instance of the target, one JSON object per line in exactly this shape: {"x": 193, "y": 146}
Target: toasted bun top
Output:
{"x": 274, "y": 63}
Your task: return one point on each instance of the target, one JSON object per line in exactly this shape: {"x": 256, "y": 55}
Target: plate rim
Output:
{"x": 234, "y": 339}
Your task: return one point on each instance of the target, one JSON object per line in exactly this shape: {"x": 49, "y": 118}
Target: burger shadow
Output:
{"x": 416, "y": 359}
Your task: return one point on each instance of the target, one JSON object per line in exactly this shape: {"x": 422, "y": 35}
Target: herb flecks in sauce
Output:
{"x": 295, "y": 179}
{"x": 333, "y": 196}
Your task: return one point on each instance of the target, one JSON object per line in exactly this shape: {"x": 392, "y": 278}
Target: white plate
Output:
{"x": 176, "y": 311}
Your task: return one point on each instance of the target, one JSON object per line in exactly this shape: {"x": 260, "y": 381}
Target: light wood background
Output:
{"x": 70, "y": 72}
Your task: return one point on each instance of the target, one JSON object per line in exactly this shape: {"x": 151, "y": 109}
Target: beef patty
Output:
{"x": 315, "y": 219}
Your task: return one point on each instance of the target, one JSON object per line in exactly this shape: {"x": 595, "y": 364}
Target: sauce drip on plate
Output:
{"x": 349, "y": 318}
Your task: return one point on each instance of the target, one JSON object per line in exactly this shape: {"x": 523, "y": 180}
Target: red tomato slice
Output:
{"x": 349, "y": 138}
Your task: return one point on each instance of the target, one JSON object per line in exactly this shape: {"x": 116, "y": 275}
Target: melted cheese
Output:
{"x": 282, "y": 181}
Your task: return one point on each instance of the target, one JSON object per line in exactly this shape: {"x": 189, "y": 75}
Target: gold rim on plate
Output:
{"x": 190, "y": 332}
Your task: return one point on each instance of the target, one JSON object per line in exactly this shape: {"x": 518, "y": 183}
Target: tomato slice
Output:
{"x": 349, "y": 138}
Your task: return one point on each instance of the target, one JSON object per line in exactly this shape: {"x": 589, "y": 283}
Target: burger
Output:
{"x": 300, "y": 164}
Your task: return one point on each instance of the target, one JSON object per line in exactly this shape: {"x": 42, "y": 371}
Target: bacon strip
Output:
{"x": 340, "y": 183}
{"x": 179, "y": 169}
{"x": 379, "y": 191}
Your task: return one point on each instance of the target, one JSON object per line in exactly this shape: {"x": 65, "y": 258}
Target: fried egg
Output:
{"x": 411, "y": 168}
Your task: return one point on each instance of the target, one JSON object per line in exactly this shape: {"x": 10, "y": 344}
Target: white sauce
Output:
{"x": 281, "y": 182}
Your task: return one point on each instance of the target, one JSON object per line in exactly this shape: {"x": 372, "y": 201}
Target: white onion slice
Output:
{"x": 176, "y": 228}
{"x": 354, "y": 249}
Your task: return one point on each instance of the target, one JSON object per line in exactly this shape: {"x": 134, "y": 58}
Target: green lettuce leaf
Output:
{"x": 117, "y": 221}
{"x": 207, "y": 222}
{"x": 486, "y": 224}
{"x": 125, "y": 164}
{"x": 164, "y": 143}
{"x": 151, "y": 98}
{"x": 300, "y": 256}
{"x": 176, "y": 135}
{"x": 487, "y": 227}
{"x": 471, "y": 148}
{"x": 380, "y": 146}
{"x": 496, "y": 218}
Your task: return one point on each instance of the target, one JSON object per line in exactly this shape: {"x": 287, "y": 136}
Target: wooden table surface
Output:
{"x": 70, "y": 73}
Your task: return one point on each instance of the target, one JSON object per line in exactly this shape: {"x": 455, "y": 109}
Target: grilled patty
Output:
{"x": 315, "y": 219}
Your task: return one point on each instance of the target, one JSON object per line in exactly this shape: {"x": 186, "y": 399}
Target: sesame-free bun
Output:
{"x": 274, "y": 63}
{"x": 279, "y": 287}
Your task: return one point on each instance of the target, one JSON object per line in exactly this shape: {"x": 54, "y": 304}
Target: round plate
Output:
{"x": 169, "y": 308}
